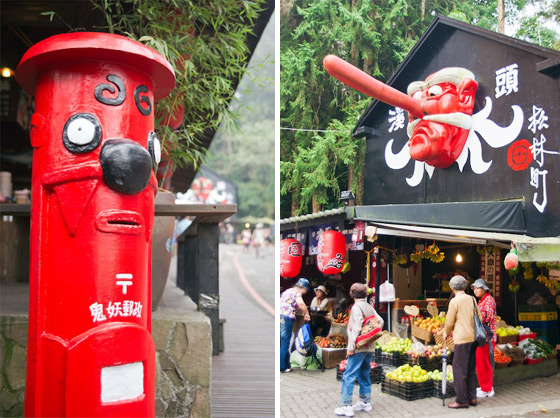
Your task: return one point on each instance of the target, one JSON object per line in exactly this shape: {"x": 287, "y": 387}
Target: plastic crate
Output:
{"x": 538, "y": 316}
{"x": 409, "y": 391}
{"x": 537, "y": 308}
{"x": 525, "y": 336}
{"x": 449, "y": 390}
{"x": 545, "y": 330}
{"x": 426, "y": 363}
{"x": 392, "y": 359}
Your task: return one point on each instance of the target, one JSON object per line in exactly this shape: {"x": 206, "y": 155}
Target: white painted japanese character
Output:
{"x": 114, "y": 309}
{"x": 127, "y": 307}
{"x": 137, "y": 310}
{"x": 396, "y": 120}
{"x": 535, "y": 181}
{"x": 96, "y": 310}
{"x": 539, "y": 151}
{"x": 538, "y": 120}
{"x": 124, "y": 280}
{"x": 506, "y": 80}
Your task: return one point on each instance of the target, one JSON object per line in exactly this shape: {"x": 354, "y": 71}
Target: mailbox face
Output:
{"x": 94, "y": 164}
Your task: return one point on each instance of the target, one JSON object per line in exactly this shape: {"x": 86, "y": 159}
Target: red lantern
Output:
{"x": 332, "y": 252}
{"x": 291, "y": 254}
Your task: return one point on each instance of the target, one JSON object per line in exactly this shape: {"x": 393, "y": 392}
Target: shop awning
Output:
{"x": 480, "y": 216}
{"x": 479, "y": 223}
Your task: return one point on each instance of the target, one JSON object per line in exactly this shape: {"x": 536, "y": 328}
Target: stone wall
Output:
{"x": 183, "y": 365}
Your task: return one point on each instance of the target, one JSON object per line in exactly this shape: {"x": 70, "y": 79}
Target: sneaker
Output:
{"x": 286, "y": 371}
{"x": 345, "y": 411}
{"x": 481, "y": 394}
{"x": 362, "y": 406}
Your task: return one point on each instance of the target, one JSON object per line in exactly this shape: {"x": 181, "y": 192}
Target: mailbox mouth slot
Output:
{"x": 120, "y": 222}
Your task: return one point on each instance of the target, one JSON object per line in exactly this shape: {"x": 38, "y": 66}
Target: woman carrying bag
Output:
{"x": 359, "y": 357}
{"x": 484, "y": 363}
{"x": 460, "y": 321}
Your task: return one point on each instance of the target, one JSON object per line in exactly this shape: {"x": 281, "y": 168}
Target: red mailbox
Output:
{"x": 90, "y": 350}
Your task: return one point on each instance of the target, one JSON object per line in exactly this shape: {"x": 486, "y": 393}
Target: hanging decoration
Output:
{"x": 510, "y": 262}
{"x": 487, "y": 249}
{"x": 291, "y": 257}
{"x": 431, "y": 253}
{"x": 527, "y": 271}
{"x": 514, "y": 286}
{"x": 332, "y": 252}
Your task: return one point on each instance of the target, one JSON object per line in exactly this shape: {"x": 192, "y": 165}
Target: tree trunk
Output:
{"x": 359, "y": 173}
{"x": 422, "y": 11}
{"x": 295, "y": 202}
{"x": 351, "y": 180}
{"x": 316, "y": 208}
{"x": 501, "y": 17}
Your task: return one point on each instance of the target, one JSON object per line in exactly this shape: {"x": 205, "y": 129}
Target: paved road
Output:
{"x": 243, "y": 375}
{"x": 313, "y": 394}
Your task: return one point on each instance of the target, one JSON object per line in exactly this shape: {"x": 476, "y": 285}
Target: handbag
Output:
{"x": 370, "y": 331}
{"x": 479, "y": 331}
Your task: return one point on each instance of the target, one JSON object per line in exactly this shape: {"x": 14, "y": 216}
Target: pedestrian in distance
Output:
{"x": 246, "y": 237}
{"x": 484, "y": 367}
{"x": 290, "y": 301}
{"x": 359, "y": 359}
{"x": 259, "y": 238}
{"x": 460, "y": 322}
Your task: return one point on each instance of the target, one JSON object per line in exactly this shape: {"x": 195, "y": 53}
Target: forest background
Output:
{"x": 318, "y": 156}
{"x": 245, "y": 154}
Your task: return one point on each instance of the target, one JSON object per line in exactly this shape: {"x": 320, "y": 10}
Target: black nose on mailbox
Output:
{"x": 126, "y": 166}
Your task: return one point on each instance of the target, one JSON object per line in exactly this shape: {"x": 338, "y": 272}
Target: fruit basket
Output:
{"x": 449, "y": 341}
{"x": 507, "y": 339}
{"x": 517, "y": 362}
{"x": 501, "y": 364}
{"x": 422, "y": 334}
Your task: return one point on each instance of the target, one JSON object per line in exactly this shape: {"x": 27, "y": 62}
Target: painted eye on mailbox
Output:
{"x": 435, "y": 91}
{"x": 154, "y": 147}
{"x": 82, "y": 133}
{"x": 417, "y": 95}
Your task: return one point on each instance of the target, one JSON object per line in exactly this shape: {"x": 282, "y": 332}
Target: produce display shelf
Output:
{"x": 525, "y": 371}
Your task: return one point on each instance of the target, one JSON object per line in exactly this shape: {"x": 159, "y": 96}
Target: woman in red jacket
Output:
{"x": 484, "y": 366}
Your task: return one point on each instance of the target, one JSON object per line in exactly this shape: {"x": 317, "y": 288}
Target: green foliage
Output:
{"x": 532, "y": 27}
{"x": 206, "y": 44}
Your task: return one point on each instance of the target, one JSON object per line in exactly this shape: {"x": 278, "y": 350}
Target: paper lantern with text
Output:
{"x": 332, "y": 252}
{"x": 291, "y": 254}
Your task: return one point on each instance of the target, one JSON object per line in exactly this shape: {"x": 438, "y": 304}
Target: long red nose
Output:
{"x": 357, "y": 79}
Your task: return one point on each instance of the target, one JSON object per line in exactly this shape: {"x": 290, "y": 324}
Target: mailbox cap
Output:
{"x": 96, "y": 46}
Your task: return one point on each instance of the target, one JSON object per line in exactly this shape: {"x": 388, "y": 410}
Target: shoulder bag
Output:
{"x": 479, "y": 331}
{"x": 370, "y": 331}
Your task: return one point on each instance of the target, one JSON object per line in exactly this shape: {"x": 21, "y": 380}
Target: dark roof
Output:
{"x": 439, "y": 29}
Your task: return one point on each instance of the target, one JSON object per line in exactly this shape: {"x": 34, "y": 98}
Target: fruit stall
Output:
{"x": 413, "y": 370}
